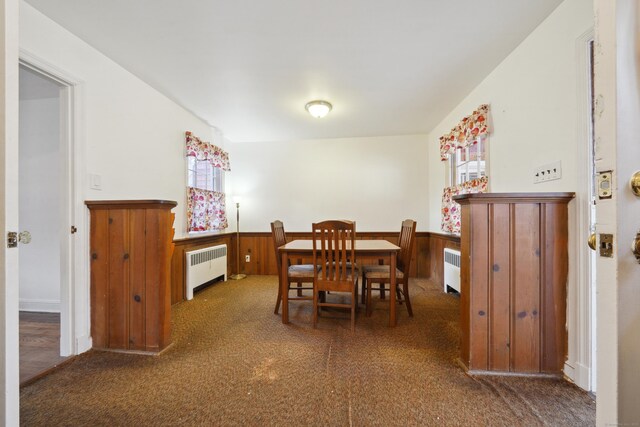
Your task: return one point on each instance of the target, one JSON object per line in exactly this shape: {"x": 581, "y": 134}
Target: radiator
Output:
{"x": 205, "y": 265}
{"x": 451, "y": 270}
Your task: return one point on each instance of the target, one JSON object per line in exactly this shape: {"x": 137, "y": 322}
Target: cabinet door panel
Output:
{"x": 100, "y": 278}
{"x": 479, "y": 291}
{"x": 499, "y": 291}
{"x": 136, "y": 294}
{"x": 153, "y": 262}
{"x": 554, "y": 293}
{"x": 525, "y": 291}
{"x": 118, "y": 278}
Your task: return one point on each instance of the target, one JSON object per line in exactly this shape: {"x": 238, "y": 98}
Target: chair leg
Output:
{"x": 354, "y": 299}
{"x": 369, "y": 301}
{"x": 364, "y": 285}
{"x": 405, "y": 290}
{"x": 356, "y": 295}
{"x": 299, "y": 290}
{"x": 315, "y": 308}
{"x": 279, "y": 299}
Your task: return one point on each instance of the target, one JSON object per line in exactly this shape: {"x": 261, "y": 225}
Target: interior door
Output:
{"x": 9, "y": 402}
{"x": 617, "y": 130}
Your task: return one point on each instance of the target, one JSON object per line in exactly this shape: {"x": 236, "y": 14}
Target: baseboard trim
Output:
{"x": 39, "y": 305}
{"x": 83, "y": 344}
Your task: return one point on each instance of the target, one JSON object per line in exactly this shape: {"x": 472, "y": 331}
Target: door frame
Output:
{"x": 74, "y": 294}
{"x": 581, "y": 314}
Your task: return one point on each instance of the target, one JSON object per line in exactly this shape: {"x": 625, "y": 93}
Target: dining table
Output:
{"x": 363, "y": 249}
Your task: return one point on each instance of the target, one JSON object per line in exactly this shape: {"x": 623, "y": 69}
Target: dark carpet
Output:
{"x": 233, "y": 362}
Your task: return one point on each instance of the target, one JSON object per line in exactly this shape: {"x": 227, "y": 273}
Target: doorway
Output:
{"x": 43, "y": 214}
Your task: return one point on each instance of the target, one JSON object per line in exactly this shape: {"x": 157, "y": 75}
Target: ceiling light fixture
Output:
{"x": 318, "y": 109}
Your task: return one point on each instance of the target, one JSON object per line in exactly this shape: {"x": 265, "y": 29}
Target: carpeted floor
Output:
{"x": 234, "y": 363}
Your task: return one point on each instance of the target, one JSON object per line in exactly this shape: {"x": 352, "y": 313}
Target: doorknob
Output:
{"x": 592, "y": 241}
{"x": 13, "y": 238}
{"x": 24, "y": 237}
{"x": 635, "y": 246}
{"x": 635, "y": 183}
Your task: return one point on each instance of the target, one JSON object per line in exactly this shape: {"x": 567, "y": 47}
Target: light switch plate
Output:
{"x": 95, "y": 182}
{"x": 548, "y": 172}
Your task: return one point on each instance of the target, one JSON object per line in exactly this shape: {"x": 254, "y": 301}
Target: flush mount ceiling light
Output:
{"x": 318, "y": 109}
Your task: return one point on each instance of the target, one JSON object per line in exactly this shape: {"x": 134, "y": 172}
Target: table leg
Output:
{"x": 392, "y": 291}
{"x": 284, "y": 285}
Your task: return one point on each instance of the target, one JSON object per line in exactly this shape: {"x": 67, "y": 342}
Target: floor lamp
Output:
{"x": 238, "y": 275}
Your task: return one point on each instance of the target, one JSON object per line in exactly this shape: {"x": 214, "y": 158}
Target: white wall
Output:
{"x": 538, "y": 110}
{"x": 133, "y": 135}
{"x": 123, "y": 130}
{"x": 533, "y": 97}
{"x": 378, "y": 182}
{"x": 39, "y": 203}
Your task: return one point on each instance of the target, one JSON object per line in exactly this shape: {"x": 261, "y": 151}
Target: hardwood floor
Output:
{"x": 39, "y": 344}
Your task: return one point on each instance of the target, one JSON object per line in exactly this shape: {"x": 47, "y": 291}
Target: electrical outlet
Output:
{"x": 247, "y": 258}
{"x": 548, "y": 172}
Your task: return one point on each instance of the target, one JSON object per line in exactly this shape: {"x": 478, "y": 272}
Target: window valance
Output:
{"x": 466, "y": 132}
{"x": 204, "y": 151}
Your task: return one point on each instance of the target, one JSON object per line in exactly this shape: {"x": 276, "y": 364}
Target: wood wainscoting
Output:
{"x": 427, "y": 259}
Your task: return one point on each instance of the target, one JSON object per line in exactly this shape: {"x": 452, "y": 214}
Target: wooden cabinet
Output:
{"x": 513, "y": 281}
{"x": 131, "y": 248}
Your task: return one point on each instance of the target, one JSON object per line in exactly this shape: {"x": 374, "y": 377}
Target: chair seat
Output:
{"x": 380, "y": 272}
{"x": 301, "y": 270}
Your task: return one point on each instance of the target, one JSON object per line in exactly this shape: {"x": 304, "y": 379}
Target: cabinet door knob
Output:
{"x": 126, "y": 256}
{"x": 137, "y": 298}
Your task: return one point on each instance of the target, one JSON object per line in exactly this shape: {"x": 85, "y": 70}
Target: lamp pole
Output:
{"x": 238, "y": 275}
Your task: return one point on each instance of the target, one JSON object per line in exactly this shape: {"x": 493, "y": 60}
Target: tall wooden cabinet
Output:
{"x": 513, "y": 282}
{"x": 131, "y": 248}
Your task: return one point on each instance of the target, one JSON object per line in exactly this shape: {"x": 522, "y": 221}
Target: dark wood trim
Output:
{"x": 125, "y": 204}
{"x": 559, "y": 197}
{"x": 202, "y": 238}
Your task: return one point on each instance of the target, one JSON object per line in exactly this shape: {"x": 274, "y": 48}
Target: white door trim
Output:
{"x": 74, "y": 290}
{"x": 579, "y": 365}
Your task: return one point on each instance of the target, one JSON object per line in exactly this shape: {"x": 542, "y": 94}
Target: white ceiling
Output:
{"x": 248, "y": 67}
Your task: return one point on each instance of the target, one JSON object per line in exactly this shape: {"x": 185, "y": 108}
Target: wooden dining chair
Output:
{"x": 297, "y": 273}
{"x": 334, "y": 253}
{"x": 381, "y": 274}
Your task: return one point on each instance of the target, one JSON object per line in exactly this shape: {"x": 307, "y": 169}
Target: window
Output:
{"x": 206, "y": 164}
{"x": 468, "y": 163}
{"x": 202, "y": 174}
{"x": 464, "y": 149}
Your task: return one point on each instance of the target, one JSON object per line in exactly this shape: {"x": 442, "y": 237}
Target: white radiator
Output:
{"x": 451, "y": 270}
{"x": 205, "y": 265}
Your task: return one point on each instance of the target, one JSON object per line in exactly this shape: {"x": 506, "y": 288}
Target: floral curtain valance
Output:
{"x": 206, "y": 210}
{"x": 466, "y": 132}
{"x": 451, "y": 208}
{"x": 204, "y": 151}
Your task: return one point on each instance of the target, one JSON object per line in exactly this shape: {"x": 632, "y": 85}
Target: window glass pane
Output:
{"x": 468, "y": 163}
{"x": 217, "y": 179}
{"x": 473, "y": 152}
